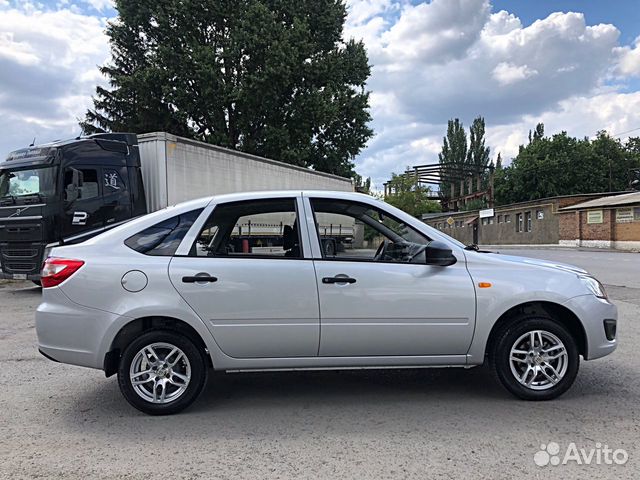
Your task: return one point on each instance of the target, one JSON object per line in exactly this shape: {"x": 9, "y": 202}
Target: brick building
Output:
{"x": 608, "y": 222}
{"x": 534, "y": 222}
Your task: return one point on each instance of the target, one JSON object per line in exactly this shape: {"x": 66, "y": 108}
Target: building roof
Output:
{"x": 613, "y": 201}
{"x": 510, "y": 206}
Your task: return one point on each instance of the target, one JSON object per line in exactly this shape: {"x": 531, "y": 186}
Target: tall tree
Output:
{"x": 499, "y": 161}
{"x": 478, "y": 154}
{"x": 453, "y": 155}
{"x": 269, "y": 77}
{"x": 538, "y": 133}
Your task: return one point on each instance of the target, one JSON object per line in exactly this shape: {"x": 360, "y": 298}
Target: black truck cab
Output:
{"x": 65, "y": 192}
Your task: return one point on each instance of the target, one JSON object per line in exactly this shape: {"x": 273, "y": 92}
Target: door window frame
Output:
{"x": 186, "y": 247}
{"x": 312, "y": 226}
{"x": 98, "y": 170}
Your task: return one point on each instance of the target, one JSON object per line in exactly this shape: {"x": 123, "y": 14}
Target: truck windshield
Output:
{"x": 29, "y": 181}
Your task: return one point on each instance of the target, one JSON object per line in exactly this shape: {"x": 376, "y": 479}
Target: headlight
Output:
{"x": 594, "y": 286}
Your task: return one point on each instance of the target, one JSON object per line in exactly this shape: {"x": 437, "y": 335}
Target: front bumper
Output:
{"x": 19, "y": 276}
{"x": 592, "y": 312}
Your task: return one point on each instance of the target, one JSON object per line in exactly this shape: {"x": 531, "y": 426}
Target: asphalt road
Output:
{"x": 60, "y": 421}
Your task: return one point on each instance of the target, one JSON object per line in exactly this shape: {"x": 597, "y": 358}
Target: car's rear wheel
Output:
{"x": 535, "y": 358}
{"x": 162, "y": 372}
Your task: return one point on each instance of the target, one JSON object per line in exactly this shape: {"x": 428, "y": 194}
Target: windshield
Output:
{"x": 31, "y": 181}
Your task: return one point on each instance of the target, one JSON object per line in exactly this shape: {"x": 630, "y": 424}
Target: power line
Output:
{"x": 623, "y": 133}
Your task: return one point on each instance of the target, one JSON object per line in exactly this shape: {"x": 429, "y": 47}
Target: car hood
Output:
{"x": 540, "y": 263}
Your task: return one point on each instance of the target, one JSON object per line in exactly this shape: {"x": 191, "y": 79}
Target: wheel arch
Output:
{"x": 563, "y": 315}
{"x": 136, "y": 327}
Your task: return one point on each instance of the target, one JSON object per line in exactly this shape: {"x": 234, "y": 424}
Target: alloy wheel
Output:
{"x": 538, "y": 360}
{"x": 160, "y": 373}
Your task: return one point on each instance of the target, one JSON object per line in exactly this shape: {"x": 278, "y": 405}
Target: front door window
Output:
{"x": 353, "y": 231}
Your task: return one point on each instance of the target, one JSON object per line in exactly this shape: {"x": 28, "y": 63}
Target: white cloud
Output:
{"x": 100, "y": 5}
{"x": 454, "y": 58}
{"x": 581, "y": 116}
{"x": 630, "y": 59}
{"x": 507, "y": 73}
{"x": 48, "y": 72}
{"x": 433, "y": 33}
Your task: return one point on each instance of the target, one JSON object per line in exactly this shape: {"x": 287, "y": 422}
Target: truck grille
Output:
{"x": 20, "y": 258}
{"x": 21, "y": 253}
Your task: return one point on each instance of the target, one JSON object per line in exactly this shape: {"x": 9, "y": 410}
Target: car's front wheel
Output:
{"x": 162, "y": 372}
{"x": 535, "y": 358}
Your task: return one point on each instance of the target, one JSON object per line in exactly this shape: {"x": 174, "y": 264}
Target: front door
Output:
{"x": 377, "y": 295}
{"x": 248, "y": 279}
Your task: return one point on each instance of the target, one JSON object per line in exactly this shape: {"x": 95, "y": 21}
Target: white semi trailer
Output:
{"x": 176, "y": 169}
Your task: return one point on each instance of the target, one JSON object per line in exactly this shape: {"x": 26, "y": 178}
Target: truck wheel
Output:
{"x": 330, "y": 248}
{"x": 535, "y": 358}
{"x": 162, "y": 372}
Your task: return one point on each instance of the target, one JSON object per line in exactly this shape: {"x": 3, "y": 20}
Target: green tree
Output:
{"x": 362, "y": 185}
{"x": 407, "y": 194}
{"x": 453, "y": 155}
{"x": 537, "y": 134}
{"x": 564, "y": 165}
{"x": 478, "y": 153}
{"x": 269, "y": 77}
{"x": 499, "y": 161}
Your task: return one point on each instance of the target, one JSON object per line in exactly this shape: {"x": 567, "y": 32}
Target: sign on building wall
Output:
{"x": 624, "y": 215}
{"x": 486, "y": 213}
{"x": 594, "y": 216}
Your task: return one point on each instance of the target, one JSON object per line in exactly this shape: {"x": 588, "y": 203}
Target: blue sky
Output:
{"x": 573, "y": 65}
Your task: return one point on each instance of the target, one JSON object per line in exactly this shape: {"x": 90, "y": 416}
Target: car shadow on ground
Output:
{"x": 279, "y": 402}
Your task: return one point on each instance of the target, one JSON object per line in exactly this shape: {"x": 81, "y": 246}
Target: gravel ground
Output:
{"x": 61, "y": 421}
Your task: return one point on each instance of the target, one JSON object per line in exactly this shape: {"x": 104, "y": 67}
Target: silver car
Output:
{"x": 291, "y": 280}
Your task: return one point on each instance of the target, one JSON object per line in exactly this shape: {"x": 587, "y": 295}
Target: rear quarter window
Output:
{"x": 163, "y": 239}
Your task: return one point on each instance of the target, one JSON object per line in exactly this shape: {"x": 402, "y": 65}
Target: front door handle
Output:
{"x": 199, "y": 278}
{"x": 338, "y": 279}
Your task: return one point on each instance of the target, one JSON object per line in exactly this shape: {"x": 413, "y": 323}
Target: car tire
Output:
{"x": 165, "y": 389}
{"x": 513, "y": 353}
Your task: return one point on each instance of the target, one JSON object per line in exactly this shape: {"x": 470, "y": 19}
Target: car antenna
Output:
{"x": 34, "y": 142}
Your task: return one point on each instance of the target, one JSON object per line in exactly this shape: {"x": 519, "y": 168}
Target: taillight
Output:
{"x": 57, "y": 270}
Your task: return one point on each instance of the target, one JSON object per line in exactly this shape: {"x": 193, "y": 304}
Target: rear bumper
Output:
{"x": 593, "y": 312}
{"x": 70, "y": 333}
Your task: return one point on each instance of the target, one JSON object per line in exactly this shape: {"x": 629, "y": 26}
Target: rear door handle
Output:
{"x": 338, "y": 279}
{"x": 199, "y": 278}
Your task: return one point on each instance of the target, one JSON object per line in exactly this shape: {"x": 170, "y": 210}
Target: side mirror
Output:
{"x": 72, "y": 190}
{"x": 439, "y": 254}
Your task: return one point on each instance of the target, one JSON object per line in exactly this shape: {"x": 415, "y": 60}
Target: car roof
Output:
{"x": 255, "y": 195}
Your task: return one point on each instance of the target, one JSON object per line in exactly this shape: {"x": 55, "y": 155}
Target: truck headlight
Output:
{"x": 594, "y": 286}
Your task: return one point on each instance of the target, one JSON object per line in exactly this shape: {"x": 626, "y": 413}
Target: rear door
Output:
{"x": 250, "y": 278}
